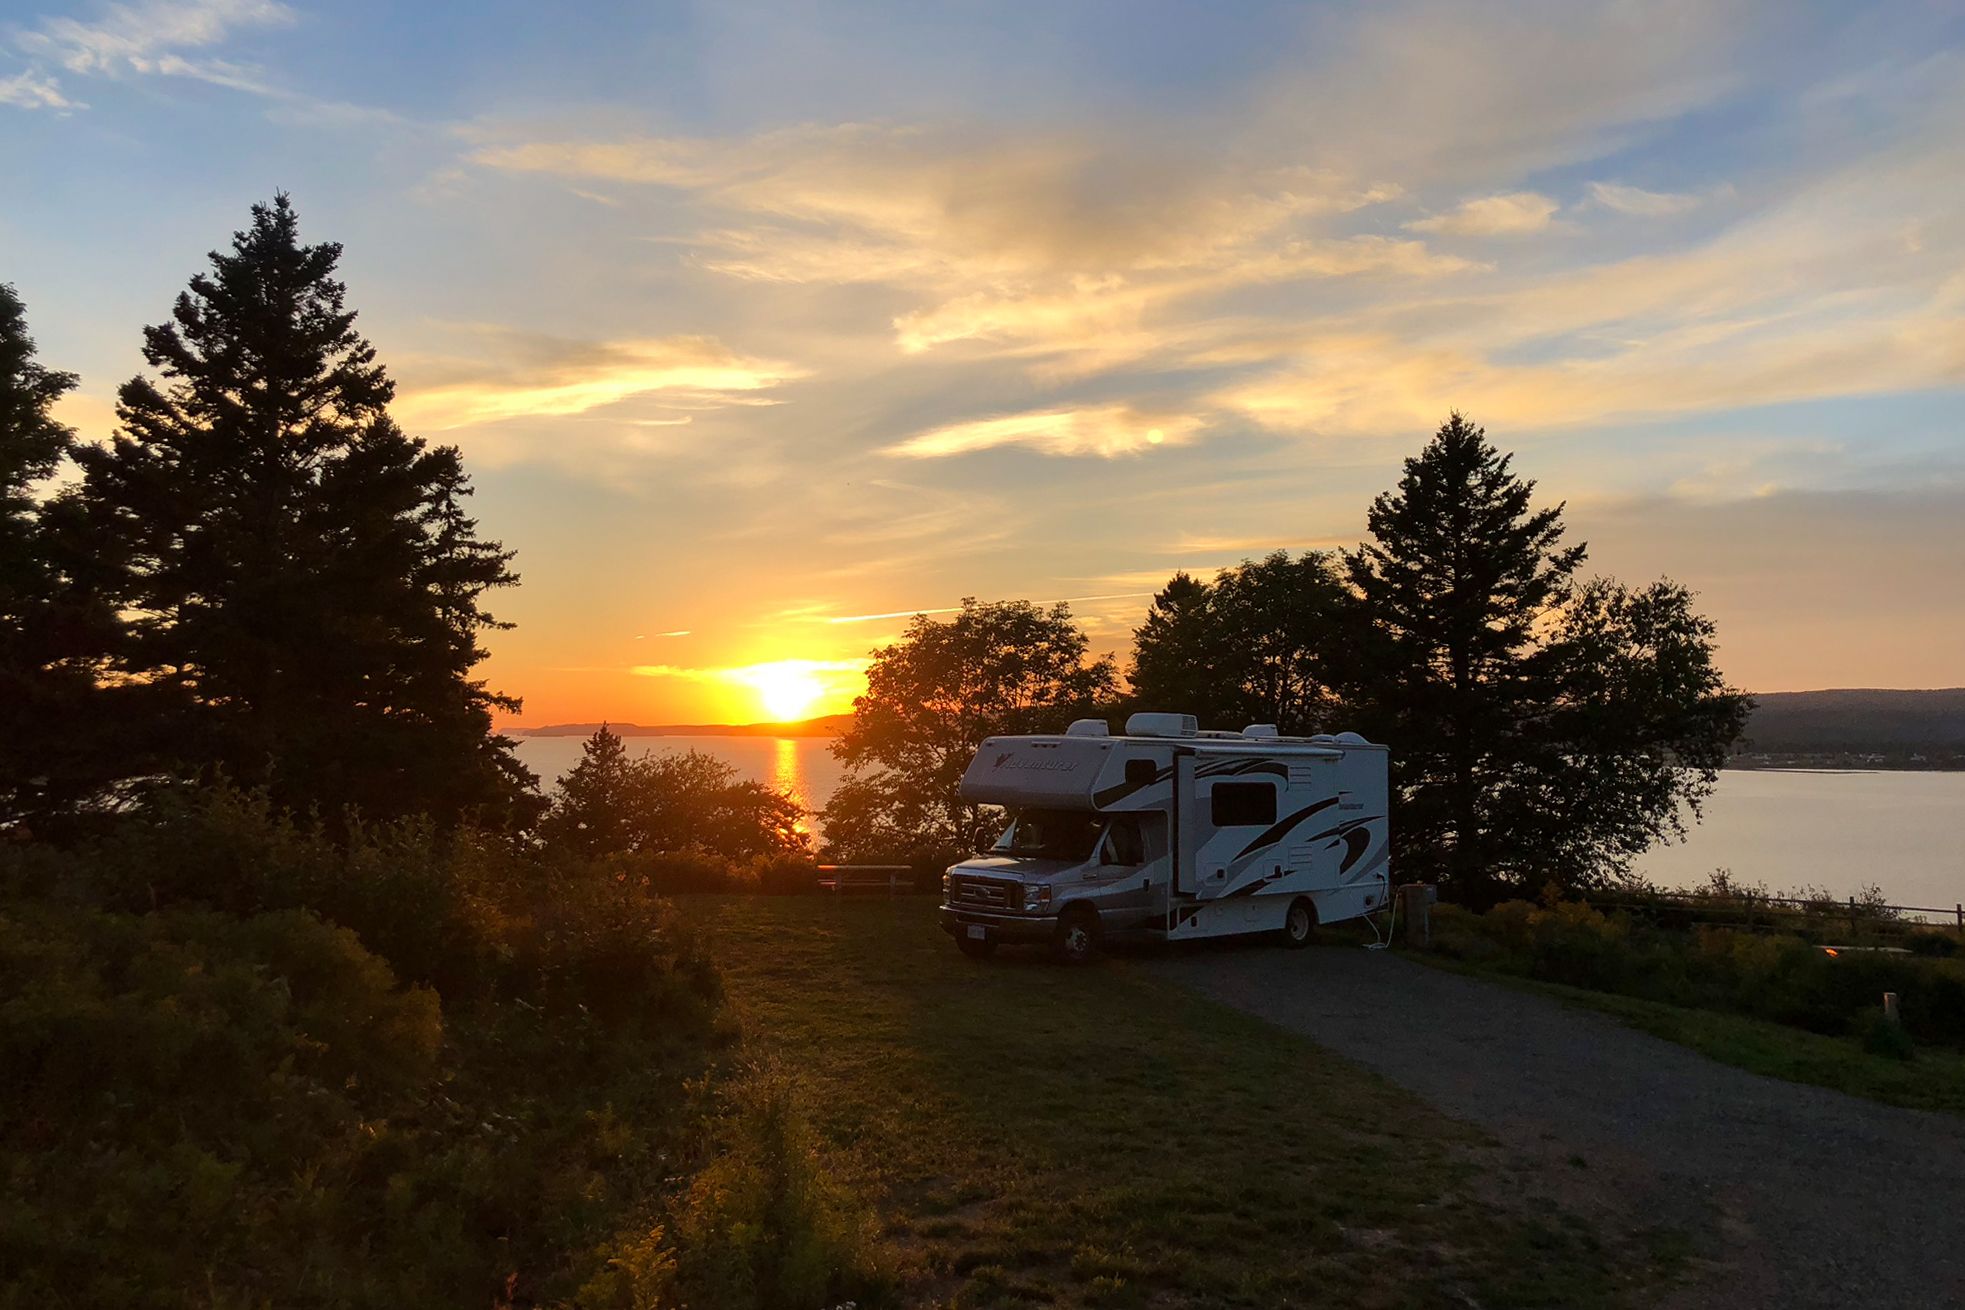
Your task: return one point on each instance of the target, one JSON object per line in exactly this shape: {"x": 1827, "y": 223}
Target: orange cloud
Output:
{"x": 1106, "y": 430}
{"x": 551, "y": 378}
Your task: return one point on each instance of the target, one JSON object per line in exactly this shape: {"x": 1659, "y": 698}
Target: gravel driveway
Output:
{"x": 1798, "y": 1196}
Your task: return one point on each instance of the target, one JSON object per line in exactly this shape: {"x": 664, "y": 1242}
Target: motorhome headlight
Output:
{"x": 948, "y": 885}
{"x": 1037, "y": 897}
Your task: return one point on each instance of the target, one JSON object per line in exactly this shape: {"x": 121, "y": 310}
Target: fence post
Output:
{"x": 1852, "y": 918}
{"x": 1890, "y": 1008}
{"x": 1961, "y": 916}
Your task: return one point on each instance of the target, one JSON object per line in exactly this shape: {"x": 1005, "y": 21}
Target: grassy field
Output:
{"x": 1036, "y": 1134}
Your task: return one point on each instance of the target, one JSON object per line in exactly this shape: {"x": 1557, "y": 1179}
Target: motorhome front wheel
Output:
{"x": 1077, "y": 939}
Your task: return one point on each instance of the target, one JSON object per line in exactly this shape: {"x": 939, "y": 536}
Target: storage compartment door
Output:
{"x": 1188, "y": 817}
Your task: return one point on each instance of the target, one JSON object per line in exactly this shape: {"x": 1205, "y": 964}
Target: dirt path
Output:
{"x": 1798, "y": 1196}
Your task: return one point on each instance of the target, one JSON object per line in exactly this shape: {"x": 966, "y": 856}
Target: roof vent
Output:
{"x": 1324, "y": 739}
{"x": 1088, "y": 728}
{"x": 1162, "y": 725}
{"x": 1351, "y": 739}
{"x": 1260, "y": 730}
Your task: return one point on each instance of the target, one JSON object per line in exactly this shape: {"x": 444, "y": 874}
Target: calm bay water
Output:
{"x": 1905, "y": 832}
{"x": 1842, "y": 831}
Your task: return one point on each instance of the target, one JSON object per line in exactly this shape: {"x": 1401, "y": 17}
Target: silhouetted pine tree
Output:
{"x": 1176, "y": 651}
{"x": 1542, "y": 730}
{"x": 1458, "y": 574}
{"x": 593, "y": 809}
{"x": 292, "y": 564}
{"x": 51, "y": 715}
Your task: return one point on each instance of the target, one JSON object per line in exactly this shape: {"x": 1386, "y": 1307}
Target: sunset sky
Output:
{"x": 764, "y": 326}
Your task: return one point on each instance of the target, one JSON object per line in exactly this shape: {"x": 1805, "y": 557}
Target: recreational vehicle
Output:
{"x": 1168, "y": 833}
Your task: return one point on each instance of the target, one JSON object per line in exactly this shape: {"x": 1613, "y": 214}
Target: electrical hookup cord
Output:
{"x": 1391, "y": 922}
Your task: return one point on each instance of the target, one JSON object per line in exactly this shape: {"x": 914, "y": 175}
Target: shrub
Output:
{"x": 1786, "y": 979}
{"x": 1932, "y": 942}
{"x": 217, "y": 1090}
{"x": 785, "y": 875}
{"x": 765, "y": 1224}
{"x": 191, "y": 1100}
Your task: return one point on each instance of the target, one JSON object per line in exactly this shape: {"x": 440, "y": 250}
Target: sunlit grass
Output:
{"x": 1039, "y": 1134}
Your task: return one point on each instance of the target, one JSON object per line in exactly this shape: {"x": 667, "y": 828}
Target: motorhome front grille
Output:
{"x": 993, "y": 893}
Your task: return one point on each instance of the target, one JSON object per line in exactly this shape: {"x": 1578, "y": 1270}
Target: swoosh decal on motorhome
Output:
{"x": 1276, "y": 832}
{"x": 1122, "y": 790}
{"x": 1356, "y": 842}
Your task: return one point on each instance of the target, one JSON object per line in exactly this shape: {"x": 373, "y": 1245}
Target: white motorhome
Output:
{"x": 1169, "y": 833}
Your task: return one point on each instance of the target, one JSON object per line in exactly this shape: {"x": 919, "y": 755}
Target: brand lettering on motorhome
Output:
{"x": 1010, "y": 760}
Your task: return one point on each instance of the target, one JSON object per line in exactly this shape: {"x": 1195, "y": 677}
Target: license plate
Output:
{"x": 977, "y": 932}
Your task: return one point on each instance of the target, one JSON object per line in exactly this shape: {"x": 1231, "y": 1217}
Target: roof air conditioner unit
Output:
{"x": 1146, "y": 724}
{"x": 1088, "y": 728}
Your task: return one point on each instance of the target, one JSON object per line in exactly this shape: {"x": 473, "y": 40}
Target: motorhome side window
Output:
{"x": 1244, "y": 804}
{"x": 1122, "y": 844}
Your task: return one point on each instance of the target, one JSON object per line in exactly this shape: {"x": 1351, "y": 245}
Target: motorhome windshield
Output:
{"x": 1051, "y": 835}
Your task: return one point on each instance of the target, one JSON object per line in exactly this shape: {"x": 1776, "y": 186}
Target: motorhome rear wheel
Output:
{"x": 1300, "y": 924}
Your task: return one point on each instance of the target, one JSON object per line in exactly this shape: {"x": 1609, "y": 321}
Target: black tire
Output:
{"x": 1299, "y": 924}
{"x": 976, "y": 948}
{"x": 1077, "y": 935}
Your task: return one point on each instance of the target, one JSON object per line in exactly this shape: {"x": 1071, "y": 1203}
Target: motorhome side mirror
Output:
{"x": 980, "y": 840}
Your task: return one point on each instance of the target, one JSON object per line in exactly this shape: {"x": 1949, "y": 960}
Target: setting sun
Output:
{"x": 788, "y": 690}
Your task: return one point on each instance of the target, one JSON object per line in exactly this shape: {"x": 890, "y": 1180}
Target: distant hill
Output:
{"x": 1902, "y": 728}
{"x": 826, "y": 725}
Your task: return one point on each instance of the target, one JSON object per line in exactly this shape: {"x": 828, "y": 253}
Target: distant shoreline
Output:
{"x": 829, "y": 725}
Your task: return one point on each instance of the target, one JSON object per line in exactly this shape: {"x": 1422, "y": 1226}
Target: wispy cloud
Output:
{"x": 35, "y": 90}
{"x": 1515, "y": 214}
{"x": 1638, "y": 201}
{"x": 518, "y": 375}
{"x": 1042, "y": 247}
{"x": 1106, "y": 430}
{"x": 151, "y": 38}
{"x": 841, "y": 619}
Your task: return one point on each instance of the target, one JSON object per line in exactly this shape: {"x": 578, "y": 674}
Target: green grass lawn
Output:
{"x": 1934, "y": 1079}
{"x": 1037, "y": 1134}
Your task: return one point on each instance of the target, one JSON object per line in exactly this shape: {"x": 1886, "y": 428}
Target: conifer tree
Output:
{"x": 1541, "y": 730}
{"x": 1457, "y": 574}
{"x": 50, "y": 712}
{"x": 1176, "y": 652}
{"x": 294, "y": 567}
{"x": 593, "y": 810}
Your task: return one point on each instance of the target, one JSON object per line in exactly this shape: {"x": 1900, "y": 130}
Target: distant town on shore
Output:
{"x": 1848, "y": 728}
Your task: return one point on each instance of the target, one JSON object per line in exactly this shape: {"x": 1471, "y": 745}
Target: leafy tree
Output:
{"x": 1640, "y": 729}
{"x": 1260, "y": 644}
{"x": 1536, "y": 728}
{"x": 56, "y": 726}
{"x": 612, "y": 802}
{"x": 995, "y": 668}
{"x": 297, "y": 571}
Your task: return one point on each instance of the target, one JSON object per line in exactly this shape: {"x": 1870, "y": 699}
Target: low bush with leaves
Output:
{"x": 250, "y": 1064}
{"x": 1783, "y": 978}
